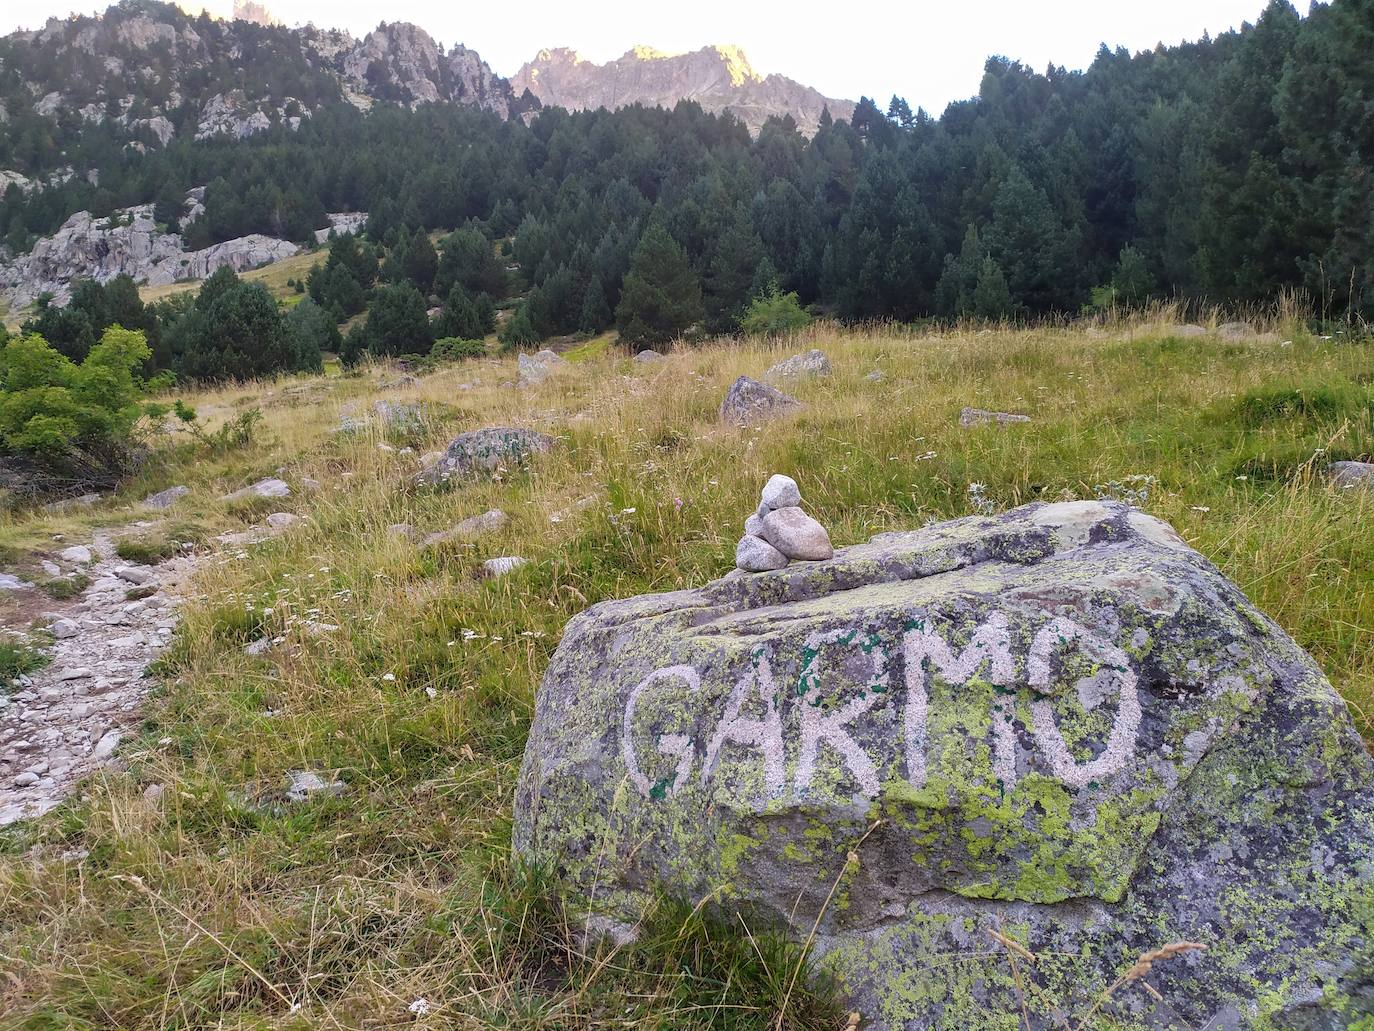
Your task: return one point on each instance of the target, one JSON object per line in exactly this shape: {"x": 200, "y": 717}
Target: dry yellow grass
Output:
{"x": 352, "y": 908}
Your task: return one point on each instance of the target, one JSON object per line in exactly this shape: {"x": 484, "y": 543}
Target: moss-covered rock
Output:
{"x": 1061, "y": 720}
{"x": 485, "y": 451}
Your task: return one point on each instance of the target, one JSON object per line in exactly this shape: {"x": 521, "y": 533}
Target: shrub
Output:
{"x": 774, "y": 314}
{"x": 237, "y": 433}
{"x": 454, "y": 349}
{"x": 69, "y": 417}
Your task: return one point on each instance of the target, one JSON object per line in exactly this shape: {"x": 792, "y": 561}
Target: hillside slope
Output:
{"x": 404, "y": 683}
{"x": 144, "y": 73}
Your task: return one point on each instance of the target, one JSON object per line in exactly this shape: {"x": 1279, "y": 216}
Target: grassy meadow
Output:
{"x": 219, "y": 905}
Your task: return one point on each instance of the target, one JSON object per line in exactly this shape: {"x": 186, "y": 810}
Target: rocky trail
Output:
{"x": 65, "y": 721}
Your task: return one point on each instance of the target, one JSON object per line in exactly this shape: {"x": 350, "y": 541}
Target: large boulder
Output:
{"x": 749, "y": 402}
{"x": 485, "y": 451}
{"x": 1062, "y": 722}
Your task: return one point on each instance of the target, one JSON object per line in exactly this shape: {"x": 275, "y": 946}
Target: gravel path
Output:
{"x": 67, "y": 720}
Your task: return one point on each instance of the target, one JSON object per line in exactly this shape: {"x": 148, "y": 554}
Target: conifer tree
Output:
{"x": 661, "y": 297}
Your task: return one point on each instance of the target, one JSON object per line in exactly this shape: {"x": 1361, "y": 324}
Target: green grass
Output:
{"x": 404, "y": 887}
{"x": 17, "y": 660}
{"x": 62, "y": 588}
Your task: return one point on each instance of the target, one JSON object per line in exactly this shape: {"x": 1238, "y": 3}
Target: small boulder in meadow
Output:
{"x": 982, "y": 417}
{"x": 749, "y": 402}
{"x": 485, "y": 451}
{"x": 813, "y": 363}
{"x": 271, "y": 487}
{"x": 1352, "y": 474}
{"x": 166, "y": 498}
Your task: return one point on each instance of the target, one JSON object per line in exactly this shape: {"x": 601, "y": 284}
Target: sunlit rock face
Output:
{"x": 1061, "y": 721}
{"x": 719, "y": 78}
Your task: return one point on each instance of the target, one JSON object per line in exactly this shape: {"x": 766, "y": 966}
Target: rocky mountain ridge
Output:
{"x": 162, "y": 74}
{"x": 719, "y": 78}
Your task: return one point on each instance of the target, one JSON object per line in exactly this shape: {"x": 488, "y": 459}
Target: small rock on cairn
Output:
{"x": 780, "y": 532}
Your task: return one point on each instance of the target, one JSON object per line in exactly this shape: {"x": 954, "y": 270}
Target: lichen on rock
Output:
{"x": 1061, "y": 718}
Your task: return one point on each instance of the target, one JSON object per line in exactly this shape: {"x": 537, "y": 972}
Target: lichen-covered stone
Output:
{"x": 485, "y": 451}
{"x": 748, "y": 402}
{"x": 982, "y": 417}
{"x": 166, "y": 498}
{"x": 1352, "y": 474}
{"x": 812, "y": 363}
{"x": 1062, "y": 722}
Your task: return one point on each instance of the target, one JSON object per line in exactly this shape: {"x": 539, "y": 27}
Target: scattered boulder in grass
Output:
{"x": 749, "y": 402}
{"x": 403, "y": 530}
{"x": 78, "y": 554}
{"x": 1352, "y": 474}
{"x": 470, "y": 529}
{"x": 71, "y": 504}
{"x": 1188, "y": 331}
{"x": 399, "y": 417}
{"x": 485, "y": 451}
{"x": 166, "y": 498}
{"x": 813, "y": 363}
{"x": 982, "y": 417}
{"x": 303, "y": 785}
{"x": 1061, "y": 716}
{"x": 536, "y": 368}
{"x": 1233, "y": 331}
{"x": 497, "y": 567}
{"x": 647, "y": 356}
{"x": 271, "y": 487}
{"x": 282, "y": 520}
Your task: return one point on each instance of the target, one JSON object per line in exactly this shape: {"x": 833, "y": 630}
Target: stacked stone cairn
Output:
{"x": 780, "y": 532}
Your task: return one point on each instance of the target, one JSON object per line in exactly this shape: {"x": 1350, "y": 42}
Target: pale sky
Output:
{"x": 930, "y": 53}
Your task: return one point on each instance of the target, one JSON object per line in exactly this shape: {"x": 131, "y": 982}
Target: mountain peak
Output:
{"x": 718, "y": 77}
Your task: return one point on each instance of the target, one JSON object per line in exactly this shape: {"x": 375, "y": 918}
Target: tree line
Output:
{"x": 1227, "y": 169}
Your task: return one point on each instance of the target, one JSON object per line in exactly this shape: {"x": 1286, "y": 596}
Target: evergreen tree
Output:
{"x": 518, "y": 331}
{"x": 730, "y": 276}
{"x": 991, "y": 297}
{"x": 1132, "y": 282}
{"x": 315, "y": 332}
{"x": 596, "y": 312}
{"x": 421, "y": 262}
{"x": 661, "y": 297}
{"x": 239, "y": 334}
{"x": 460, "y": 317}
{"x": 397, "y": 322}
